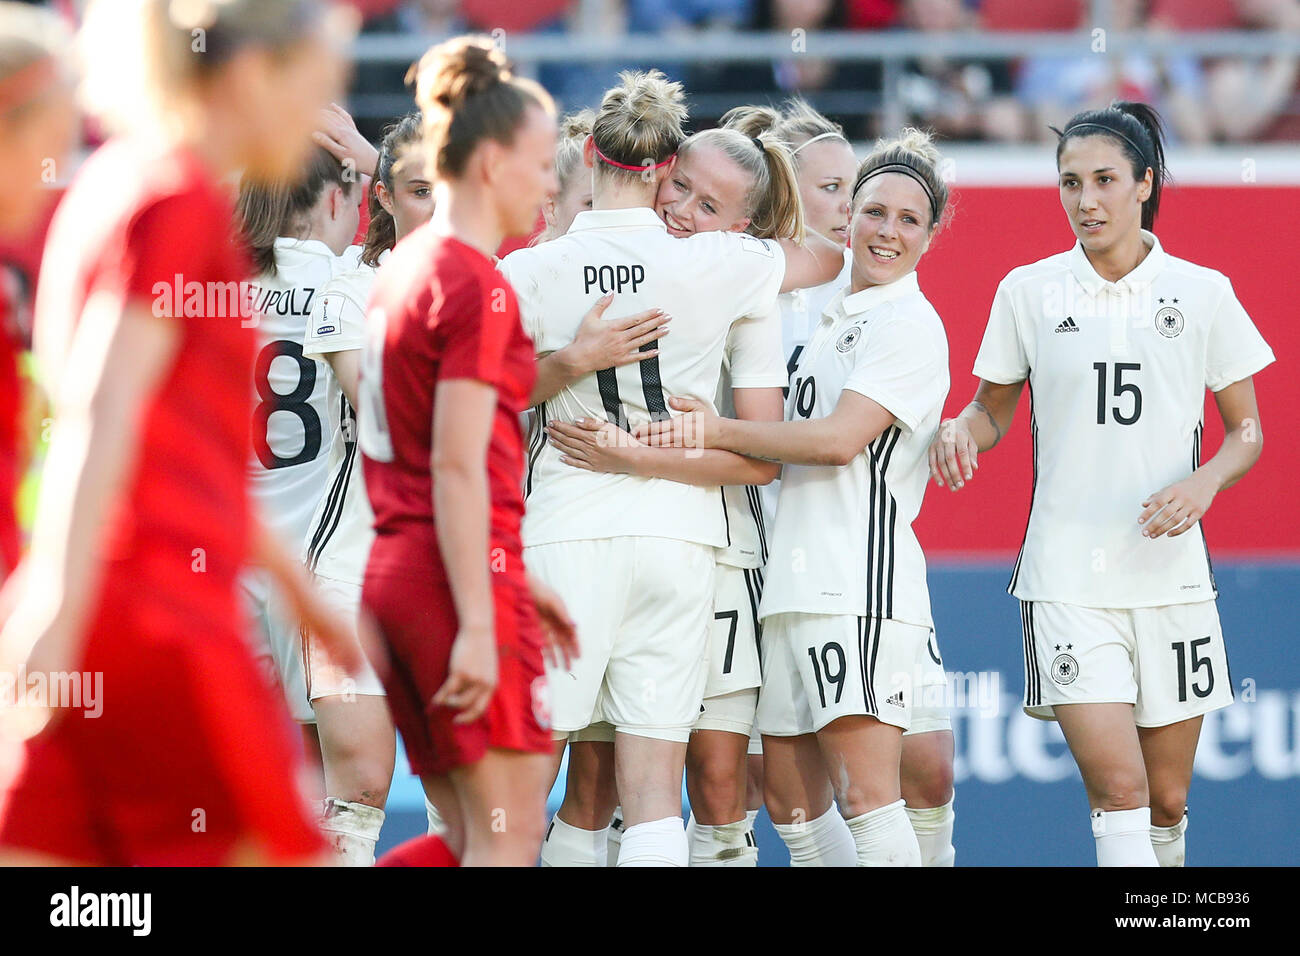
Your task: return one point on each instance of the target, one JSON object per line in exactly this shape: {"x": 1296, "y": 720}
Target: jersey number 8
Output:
{"x": 296, "y": 402}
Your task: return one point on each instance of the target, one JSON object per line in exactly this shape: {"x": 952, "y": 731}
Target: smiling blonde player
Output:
{"x": 1118, "y": 341}
{"x": 846, "y": 608}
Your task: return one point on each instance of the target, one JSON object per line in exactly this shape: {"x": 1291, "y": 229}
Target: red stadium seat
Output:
{"x": 1013, "y": 15}
{"x": 1196, "y": 14}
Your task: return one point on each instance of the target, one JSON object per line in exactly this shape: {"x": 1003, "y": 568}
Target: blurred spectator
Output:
{"x": 1054, "y": 88}
{"x": 668, "y": 16}
{"x": 1019, "y": 15}
{"x": 871, "y": 14}
{"x": 959, "y": 99}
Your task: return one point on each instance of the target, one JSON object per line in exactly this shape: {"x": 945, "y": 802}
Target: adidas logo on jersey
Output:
{"x": 1067, "y": 326}
{"x": 895, "y": 699}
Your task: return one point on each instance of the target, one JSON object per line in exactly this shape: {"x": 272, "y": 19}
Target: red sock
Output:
{"x": 421, "y": 851}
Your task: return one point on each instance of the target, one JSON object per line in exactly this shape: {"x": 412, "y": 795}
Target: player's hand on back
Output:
{"x": 612, "y": 343}
{"x": 471, "y": 674}
{"x": 696, "y": 427}
{"x": 561, "y": 648}
{"x": 954, "y": 455}
{"x": 1177, "y": 507}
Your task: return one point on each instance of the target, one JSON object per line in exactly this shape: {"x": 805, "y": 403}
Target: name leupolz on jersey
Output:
{"x": 296, "y": 302}
{"x": 625, "y": 279}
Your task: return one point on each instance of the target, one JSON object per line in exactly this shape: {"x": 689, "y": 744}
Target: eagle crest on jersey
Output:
{"x": 1169, "y": 322}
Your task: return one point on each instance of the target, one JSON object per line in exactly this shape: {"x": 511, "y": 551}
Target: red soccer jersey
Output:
{"x": 156, "y": 229}
{"x": 446, "y": 313}
{"x": 11, "y": 452}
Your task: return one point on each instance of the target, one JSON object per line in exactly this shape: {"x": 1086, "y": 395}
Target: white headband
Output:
{"x": 815, "y": 139}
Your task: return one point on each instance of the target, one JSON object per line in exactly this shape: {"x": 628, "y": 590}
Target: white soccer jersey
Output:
{"x": 752, "y": 359}
{"x": 291, "y": 443}
{"x": 843, "y": 541}
{"x": 801, "y": 310}
{"x": 705, "y": 282}
{"x": 342, "y": 529}
{"x": 1117, "y": 375}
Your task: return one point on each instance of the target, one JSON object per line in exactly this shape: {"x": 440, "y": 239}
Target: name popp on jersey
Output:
{"x": 612, "y": 278}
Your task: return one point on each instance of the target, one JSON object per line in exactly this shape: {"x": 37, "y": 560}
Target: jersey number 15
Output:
{"x": 1121, "y": 387}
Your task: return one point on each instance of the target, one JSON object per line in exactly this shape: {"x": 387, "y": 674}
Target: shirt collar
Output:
{"x": 858, "y": 302}
{"x": 616, "y": 219}
{"x": 1139, "y": 278}
{"x": 308, "y": 247}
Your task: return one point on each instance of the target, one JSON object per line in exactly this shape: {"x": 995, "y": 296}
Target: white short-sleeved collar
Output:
{"x": 307, "y": 247}
{"x": 858, "y": 302}
{"x": 616, "y": 219}
{"x": 1139, "y": 278}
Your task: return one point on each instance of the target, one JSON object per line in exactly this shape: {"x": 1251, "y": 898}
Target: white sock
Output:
{"x": 351, "y": 829}
{"x": 884, "y": 837}
{"x": 751, "y": 816}
{"x": 728, "y": 844}
{"x": 1123, "y": 837}
{"x": 431, "y": 814}
{"x": 1168, "y": 843}
{"x": 567, "y": 845}
{"x": 825, "y": 841}
{"x": 933, "y": 829}
{"x": 615, "y": 840}
{"x": 657, "y": 843}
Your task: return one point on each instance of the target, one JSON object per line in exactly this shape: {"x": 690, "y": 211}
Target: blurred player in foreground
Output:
{"x": 144, "y": 518}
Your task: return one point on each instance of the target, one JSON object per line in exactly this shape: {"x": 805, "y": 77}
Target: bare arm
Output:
{"x": 462, "y": 429}
{"x": 815, "y": 262}
{"x": 347, "y": 369}
{"x": 1176, "y": 508}
{"x": 837, "y": 439}
{"x": 599, "y": 446}
{"x": 954, "y": 453}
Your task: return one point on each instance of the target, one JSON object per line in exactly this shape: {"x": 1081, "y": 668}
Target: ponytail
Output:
{"x": 772, "y": 203}
{"x": 1139, "y": 132}
{"x": 266, "y": 211}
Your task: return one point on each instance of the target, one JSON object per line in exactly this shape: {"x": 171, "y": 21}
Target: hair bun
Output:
{"x": 452, "y": 72}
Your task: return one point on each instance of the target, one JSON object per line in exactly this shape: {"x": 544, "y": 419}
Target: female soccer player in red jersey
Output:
{"x": 444, "y": 379}
{"x": 37, "y": 127}
{"x": 1118, "y": 341}
{"x": 169, "y": 746}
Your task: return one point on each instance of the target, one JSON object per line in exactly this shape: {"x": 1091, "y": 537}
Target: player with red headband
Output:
{"x": 144, "y": 520}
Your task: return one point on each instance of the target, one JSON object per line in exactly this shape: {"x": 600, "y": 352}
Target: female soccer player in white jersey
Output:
{"x": 574, "y": 195}
{"x": 651, "y": 539}
{"x": 357, "y": 742}
{"x": 1118, "y": 341}
{"x": 727, "y": 181}
{"x": 297, "y": 230}
{"x": 845, "y": 606}
{"x": 825, "y": 166}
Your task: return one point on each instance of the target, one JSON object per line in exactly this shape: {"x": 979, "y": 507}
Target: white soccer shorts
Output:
{"x": 324, "y": 678}
{"x": 731, "y": 690}
{"x": 820, "y": 667}
{"x": 643, "y": 608}
{"x": 1168, "y": 662}
{"x": 930, "y": 708}
{"x": 276, "y": 641}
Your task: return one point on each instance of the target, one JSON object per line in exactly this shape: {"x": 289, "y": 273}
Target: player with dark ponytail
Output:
{"x": 1119, "y": 341}
{"x": 445, "y": 374}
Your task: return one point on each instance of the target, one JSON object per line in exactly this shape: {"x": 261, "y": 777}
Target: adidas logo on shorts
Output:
{"x": 1068, "y": 325}
{"x": 895, "y": 699}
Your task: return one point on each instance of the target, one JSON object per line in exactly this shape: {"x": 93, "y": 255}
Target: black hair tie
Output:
{"x": 759, "y": 143}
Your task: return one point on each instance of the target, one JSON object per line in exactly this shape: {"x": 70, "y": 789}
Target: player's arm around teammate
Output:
{"x": 1123, "y": 644}
{"x": 841, "y": 644}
